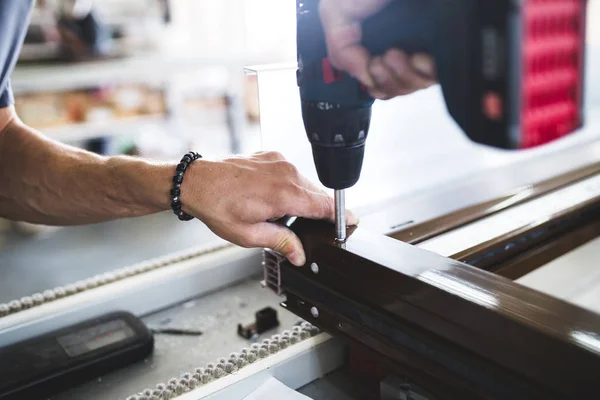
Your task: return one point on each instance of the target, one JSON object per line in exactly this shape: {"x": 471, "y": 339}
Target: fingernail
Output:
{"x": 297, "y": 259}
{"x": 423, "y": 65}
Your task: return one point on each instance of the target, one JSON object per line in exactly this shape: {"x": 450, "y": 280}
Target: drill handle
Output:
{"x": 407, "y": 25}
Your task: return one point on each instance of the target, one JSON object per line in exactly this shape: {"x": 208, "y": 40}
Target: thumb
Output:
{"x": 280, "y": 239}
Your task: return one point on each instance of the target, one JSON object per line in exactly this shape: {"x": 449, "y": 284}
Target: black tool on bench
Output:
{"x": 266, "y": 319}
{"x": 46, "y": 364}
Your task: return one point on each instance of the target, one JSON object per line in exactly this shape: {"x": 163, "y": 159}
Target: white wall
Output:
{"x": 270, "y": 30}
{"x": 594, "y": 22}
{"x": 269, "y": 27}
{"x": 259, "y": 31}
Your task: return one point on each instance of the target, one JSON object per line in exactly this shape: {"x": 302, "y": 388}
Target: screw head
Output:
{"x": 314, "y": 312}
{"x": 314, "y": 267}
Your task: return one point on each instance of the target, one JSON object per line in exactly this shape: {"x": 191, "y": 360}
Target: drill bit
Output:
{"x": 340, "y": 215}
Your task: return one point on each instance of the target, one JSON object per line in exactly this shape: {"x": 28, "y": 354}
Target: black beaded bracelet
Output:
{"x": 185, "y": 162}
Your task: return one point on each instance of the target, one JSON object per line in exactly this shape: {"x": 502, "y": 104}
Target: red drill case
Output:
{"x": 511, "y": 71}
{"x": 531, "y": 72}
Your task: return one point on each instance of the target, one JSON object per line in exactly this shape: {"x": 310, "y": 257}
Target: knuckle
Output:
{"x": 288, "y": 168}
{"x": 275, "y": 155}
{"x": 295, "y": 190}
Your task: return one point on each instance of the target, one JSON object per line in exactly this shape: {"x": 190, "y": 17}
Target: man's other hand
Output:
{"x": 238, "y": 196}
{"x": 393, "y": 74}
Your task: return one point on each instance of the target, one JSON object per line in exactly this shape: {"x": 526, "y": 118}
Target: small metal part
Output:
{"x": 272, "y": 271}
{"x": 265, "y": 319}
{"x": 314, "y": 312}
{"x": 176, "y": 331}
{"x": 340, "y": 215}
{"x": 314, "y": 267}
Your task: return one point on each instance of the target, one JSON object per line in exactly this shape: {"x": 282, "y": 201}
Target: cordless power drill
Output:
{"x": 511, "y": 73}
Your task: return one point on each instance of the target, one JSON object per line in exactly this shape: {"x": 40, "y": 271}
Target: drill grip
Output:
{"x": 404, "y": 24}
{"x": 408, "y": 25}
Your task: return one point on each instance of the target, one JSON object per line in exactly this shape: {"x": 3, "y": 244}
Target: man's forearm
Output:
{"x": 45, "y": 182}
{"x": 236, "y": 197}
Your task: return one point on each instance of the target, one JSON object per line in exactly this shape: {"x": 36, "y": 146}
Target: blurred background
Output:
{"x": 151, "y": 78}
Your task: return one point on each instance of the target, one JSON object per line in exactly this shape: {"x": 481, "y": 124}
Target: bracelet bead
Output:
{"x": 175, "y": 192}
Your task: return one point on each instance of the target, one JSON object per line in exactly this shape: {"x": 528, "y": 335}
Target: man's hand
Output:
{"x": 237, "y": 197}
{"x": 393, "y": 74}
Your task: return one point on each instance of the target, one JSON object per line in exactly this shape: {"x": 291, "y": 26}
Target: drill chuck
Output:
{"x": 338, "y": 136}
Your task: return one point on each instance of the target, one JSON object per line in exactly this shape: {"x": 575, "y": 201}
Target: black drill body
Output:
{"x": 479, "y": 47}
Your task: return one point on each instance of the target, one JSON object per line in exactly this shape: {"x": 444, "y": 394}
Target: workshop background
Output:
{"x": 151, "y": 78}
{"x": 148, "y": 77}
{"x": 154, "y": 78}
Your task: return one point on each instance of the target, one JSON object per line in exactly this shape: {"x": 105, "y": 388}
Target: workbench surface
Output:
{"x": 216, "y": 315}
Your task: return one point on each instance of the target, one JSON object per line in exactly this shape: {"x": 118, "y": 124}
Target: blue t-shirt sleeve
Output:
{"x": 14, "y": 20}
{"x": 6, "y": 98}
